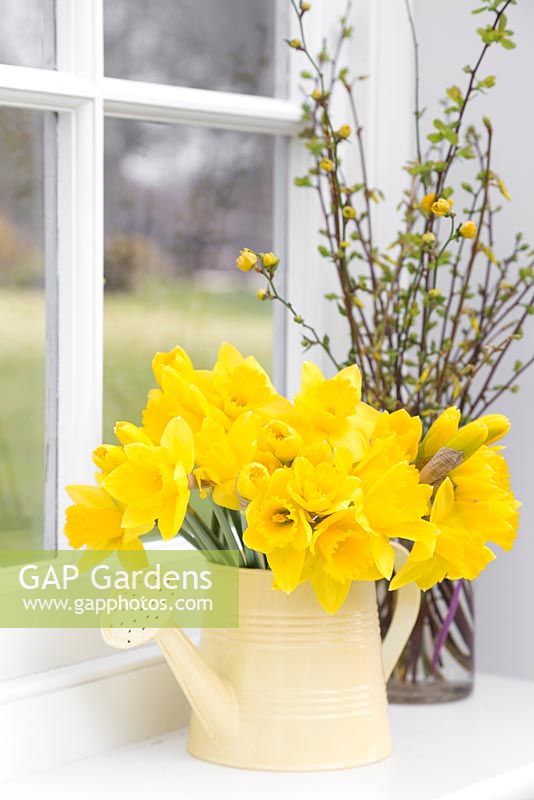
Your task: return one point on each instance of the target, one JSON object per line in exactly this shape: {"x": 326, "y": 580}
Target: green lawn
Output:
{"x": 136, "y": 326}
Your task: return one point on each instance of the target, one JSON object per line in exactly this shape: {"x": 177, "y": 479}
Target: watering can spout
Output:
{"x": 211, "y": 698}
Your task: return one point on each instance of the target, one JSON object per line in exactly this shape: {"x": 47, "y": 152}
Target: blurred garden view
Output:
{"x": 179, "y": 204}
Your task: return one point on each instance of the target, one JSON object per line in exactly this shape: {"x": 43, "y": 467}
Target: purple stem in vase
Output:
{"x": 447, "y": 622}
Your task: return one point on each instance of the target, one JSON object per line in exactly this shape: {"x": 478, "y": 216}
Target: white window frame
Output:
{"x": 82, "y": 96}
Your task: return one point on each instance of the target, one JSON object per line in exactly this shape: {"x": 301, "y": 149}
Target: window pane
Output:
{"x": 229, "y": 45}
{"x": 27, "y": 33}
{"x": 27, "y": 141}
{"x": 179, "y": 204}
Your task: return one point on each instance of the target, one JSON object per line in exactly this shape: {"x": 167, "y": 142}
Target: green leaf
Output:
{"x": 229, "y": 531}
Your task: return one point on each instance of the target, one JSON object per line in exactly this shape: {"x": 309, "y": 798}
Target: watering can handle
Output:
{"x": 404, "y": 616}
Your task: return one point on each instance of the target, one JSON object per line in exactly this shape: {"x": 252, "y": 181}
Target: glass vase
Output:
{"x": 436, "y": 665}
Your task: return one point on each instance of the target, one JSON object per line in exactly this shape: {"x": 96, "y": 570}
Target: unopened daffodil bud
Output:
{"x": 349, "y": 212}
{"x": 441, "y": 207}
{"x": 108, "y": 456}
{"x": 305, "y": 7}
{"x": 317, "y": 94}
{"x": 440, "y": 433}
{"x": 296, "y": 44}
{"x": 344, "y": 244}
{"x": 262, "y": 294}
{"x": 344, "y": 132}
{"x": 326, "y": 164}
{"x": 280, "y": 439}
{"x": 468, "y": 229}
{"x": 251, "y": 479}
{"x": 497, "y": 424}
{"x": 428, "y": 238}
{"x": 453, "y": 452}
{"x": 128, "y": 433}
{"x": 247, "y": 260}
{"x": 469, "y": 438}
{"x": 177, "y": 359}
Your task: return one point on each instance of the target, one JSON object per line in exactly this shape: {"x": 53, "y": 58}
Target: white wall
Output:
{"x": 505, "y": 600}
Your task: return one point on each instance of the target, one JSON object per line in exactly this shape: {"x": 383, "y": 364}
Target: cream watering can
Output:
{"x": 292, "y": 688}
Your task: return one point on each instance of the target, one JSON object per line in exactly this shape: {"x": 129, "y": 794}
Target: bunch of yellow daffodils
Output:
{"x": 319, "y": 487}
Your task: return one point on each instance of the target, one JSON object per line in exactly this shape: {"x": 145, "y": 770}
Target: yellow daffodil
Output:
{"x": 324, "y": 488}
{"x": 128, "y": 433}
{"x": 483, "y": 500}
{"x": 279, "y": 527}
{"x": 394, "y": 505}
{"x": 445, "y": 433}
{"x": 220, "y": 455}
{"x": 191, "y": 396}
{"x": 469, "y": 438}
{"x": 251, "y": 480}
{"x": 497, "y": 424}
{"x": 403, "y": 432}
{"x": 333, "y": 409}
{"x": 108, "y": 456}
{"x": 153, "y": 482}
{"x": 176, "y": 359}
{"x": 440, "y": 433}
{"x": 326, "y": 165}
{"x": 95, "y": 521}
{"x": 341, "y": 552}
{"x": 325, "y": 482}
{"x": 472, "y": 507}
{"x": 395, "y": 502}
{"x": 280, "y": 439}
{"x": 241, "y": 383}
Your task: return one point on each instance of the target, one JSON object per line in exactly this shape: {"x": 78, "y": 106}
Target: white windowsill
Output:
{"x": 478, "y": 749}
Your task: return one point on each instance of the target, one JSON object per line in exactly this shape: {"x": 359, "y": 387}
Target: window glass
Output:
{"x": 27, "y": 139}
{"x": 27, "y": 33}
{"x": 179, "y": 204}
{"x": 230, "y": 45}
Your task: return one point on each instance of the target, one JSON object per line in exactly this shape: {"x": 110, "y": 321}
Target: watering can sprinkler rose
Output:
{"x": 311, "y": 494}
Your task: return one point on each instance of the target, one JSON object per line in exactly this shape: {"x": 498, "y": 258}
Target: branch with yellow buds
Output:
{"x": 424, "y": 326}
